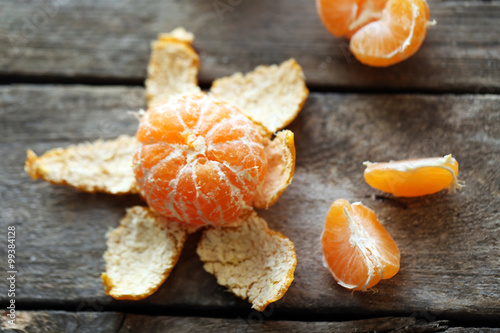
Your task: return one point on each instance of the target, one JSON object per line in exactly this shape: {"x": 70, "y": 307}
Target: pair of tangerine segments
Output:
{"x": 357, "y": 249}
{"x": 382, "y": 32}
{"x": 200, "y": 161}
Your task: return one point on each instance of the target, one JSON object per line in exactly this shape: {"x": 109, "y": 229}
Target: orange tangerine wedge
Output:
{"x": 395, "y": 37}
{"x": 344, "y": 18}
{"x": 357, "y": 249}
{"x": 414, "y": 177}
{"x": 383, "y": 32}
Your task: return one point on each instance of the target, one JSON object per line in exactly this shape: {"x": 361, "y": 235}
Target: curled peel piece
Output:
{"x": 101, "y": 166}
{"x": 280, "y": 153}
{"x": 141, "y": 253}
{"x": 173, "y": 67}
{"x": 253, "y": 261}
{"x": 178, "y": 34}
{"x": 270, "y": 95}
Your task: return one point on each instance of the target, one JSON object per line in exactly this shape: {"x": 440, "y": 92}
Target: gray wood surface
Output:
{"x": 472, "y": 330}
{"x": 450, "y": 266}
{"x": 134, "y": 323}
{"x": 96, "y": 322}
{"x": 108, "y": 41}
{"x": 62, "y": 322}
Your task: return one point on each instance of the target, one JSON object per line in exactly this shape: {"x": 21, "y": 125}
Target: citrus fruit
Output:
{"x": 199, "y": 160}
{"x": 344, "y": 18}
{"x": 383, "y": 32}
{"x": 357, "y": 249}
{"x": 414, "y": 177}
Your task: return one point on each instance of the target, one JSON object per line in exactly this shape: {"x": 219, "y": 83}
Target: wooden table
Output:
{"x": 71, "y": 70}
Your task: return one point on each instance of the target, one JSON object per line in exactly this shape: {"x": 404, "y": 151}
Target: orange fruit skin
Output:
{"x": 395, "y": 37}
{"x": 413, "y": 177}
{"x": 360, "y": 252}
{"x": 199, "y": 161}
{"x": 344, "y": 18}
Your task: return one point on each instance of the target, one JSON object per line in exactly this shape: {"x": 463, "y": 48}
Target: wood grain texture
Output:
{"x": 96, "y": 322}
{"x": 135, "y": 323}
{"x": 473, "y": 330}
{"x": 450, "y": 265}
{"x": 60, "y": 321}
{"x": 105, "y": 40}
{"x": 82, "y": 322}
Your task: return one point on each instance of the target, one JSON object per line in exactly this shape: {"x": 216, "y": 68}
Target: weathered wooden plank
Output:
{"x": 105, "y": 40}
{"x": 472, "y": 330}
{"x": 95, "y": 322}
{"x": 135, "y": 323}
{"x": 80, "y": 322}
{"x": 450, "y": 264}
{"x": 60, "y": 321}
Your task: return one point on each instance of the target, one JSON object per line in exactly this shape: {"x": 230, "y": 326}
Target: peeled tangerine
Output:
{"x": 357, "y": 249}
{"x": 200, "y": 160}
{"x": 414, "y": 177}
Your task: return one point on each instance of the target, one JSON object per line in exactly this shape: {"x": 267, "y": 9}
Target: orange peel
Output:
{"x": 141, "y": 253}
{"x": 173, "y": 67}
{"x": 179, "y": 34}
{"x": 251, "y": 260}
{"x": 101, "y": 166}
{"x": 269, "y": 95}
{"x": 280, "y": 153}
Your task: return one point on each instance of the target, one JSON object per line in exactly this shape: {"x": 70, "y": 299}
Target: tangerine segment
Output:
{"x": 357, "y": 249}
{"x": 200, "y": 160}
{"x": 414, "y": 177}
{"x": 344, "y": 18}
{"x": 395, "y": 37}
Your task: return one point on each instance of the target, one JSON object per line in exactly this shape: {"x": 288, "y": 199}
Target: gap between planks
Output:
{"x": 96, "y": 322}
{"x": 205, "y": 85}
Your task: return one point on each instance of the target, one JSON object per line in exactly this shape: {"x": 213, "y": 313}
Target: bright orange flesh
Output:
{"x": 344, "y": 18}
{"x": 395, "y": 37}
{"x": 201, "y": 161}
{"x": 357, "y": 249}
{"x": 415, "y": 177}
{"x": 383, "y": 32}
